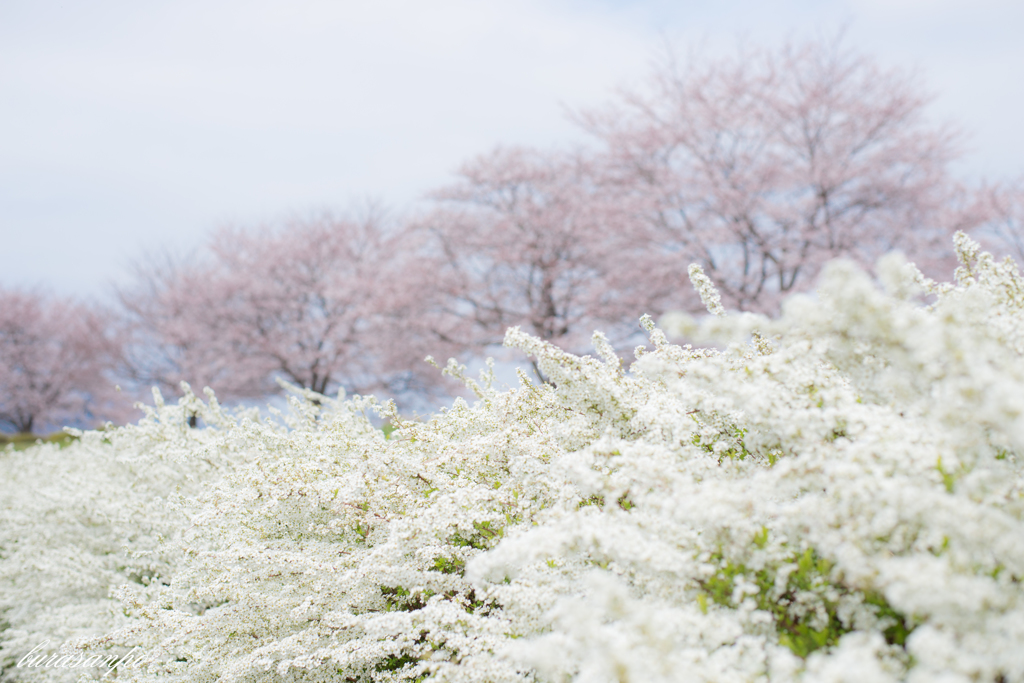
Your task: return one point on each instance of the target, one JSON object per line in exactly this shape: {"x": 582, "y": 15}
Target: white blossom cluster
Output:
{"x": 833, "y": 495}
{"x": 95, "y": 516}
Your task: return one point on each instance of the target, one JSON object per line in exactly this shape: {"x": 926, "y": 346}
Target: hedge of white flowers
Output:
{"x": 833, "y": 495}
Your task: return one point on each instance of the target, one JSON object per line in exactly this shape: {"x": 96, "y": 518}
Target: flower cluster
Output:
{"x": 836, "y": 494}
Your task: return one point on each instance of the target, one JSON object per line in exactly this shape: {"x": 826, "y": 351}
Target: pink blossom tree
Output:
{"x": 177, "y": 330}
{"x": 310, "y": 302}
{"x": 1004, "y": 208}
{"x": 525, "y": 237}
{"x": 57, "y": 357}
{"x": 763, "y": 166}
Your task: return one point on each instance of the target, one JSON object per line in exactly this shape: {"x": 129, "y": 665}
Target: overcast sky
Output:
{"x": 128, "y": 126}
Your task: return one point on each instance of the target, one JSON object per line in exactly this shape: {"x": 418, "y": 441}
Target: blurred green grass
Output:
{"x": 24, "y": 440}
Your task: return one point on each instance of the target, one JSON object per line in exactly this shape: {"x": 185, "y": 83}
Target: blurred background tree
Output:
{"x": 57, "y": 362}
{"x": 311, "y": 302}
{"x": 525, "y": 237}
{"x": 763, "y": 166}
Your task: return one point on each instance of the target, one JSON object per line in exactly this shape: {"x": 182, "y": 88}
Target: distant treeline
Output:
{"x": 758, "y": 167}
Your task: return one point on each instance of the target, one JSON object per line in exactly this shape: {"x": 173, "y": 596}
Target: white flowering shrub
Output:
{"x": 833, "y": 495}
{"x": 77, "y": 522}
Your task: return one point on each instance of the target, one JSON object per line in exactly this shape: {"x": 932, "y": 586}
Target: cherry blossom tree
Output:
{"x": 56, "y": 360}
{"x": 524, "y": 237}
{"x": 177, "y": 333}
{"x": 1004, "y": 228}
{"x": 763, "y": 166}
{"x": 311, "y": 303}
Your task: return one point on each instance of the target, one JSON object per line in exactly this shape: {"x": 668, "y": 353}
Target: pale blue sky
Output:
{"x": 127, "y": 126}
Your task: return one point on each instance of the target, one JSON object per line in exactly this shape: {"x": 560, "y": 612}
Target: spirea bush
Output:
{"x": 832, "y": 495}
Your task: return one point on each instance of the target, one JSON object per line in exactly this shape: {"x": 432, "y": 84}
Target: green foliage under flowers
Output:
{"x": 804, "y": 606}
